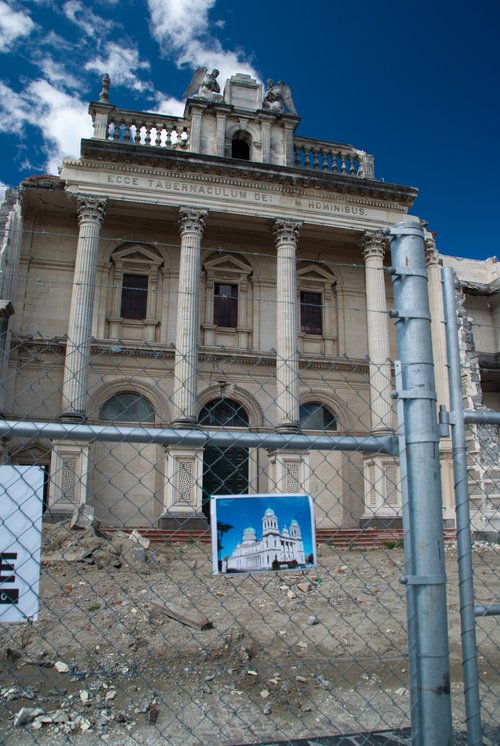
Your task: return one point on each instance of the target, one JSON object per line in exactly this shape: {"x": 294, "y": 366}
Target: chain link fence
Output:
{"x": 138, "y": 642}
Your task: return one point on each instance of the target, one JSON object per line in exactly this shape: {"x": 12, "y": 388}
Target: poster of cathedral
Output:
{"x": 262, "y": 533}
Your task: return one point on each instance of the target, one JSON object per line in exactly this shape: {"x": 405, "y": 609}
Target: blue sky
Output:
{"x": 250, "y": 513}
{"x": 415, "y": 84}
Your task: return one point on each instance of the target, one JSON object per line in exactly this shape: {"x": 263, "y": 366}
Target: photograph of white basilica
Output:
{"x": 262, "y": 532}
{"x": 218, "y": 271}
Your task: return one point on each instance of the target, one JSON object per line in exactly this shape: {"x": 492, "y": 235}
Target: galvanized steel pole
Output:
{"x": 431, "y": 717}
{"x": 464, "y": 540}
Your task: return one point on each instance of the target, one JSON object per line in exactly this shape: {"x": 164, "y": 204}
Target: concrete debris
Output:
{"x": 304, "y": 587}
{"x": 26, "y": 715}
{"x": 82, "y": 518}
{"x": 312, "y": 620}
{"x": 61, "y": 667}
{"x": 11, "y": 693}
{"x": 139, "y": 539}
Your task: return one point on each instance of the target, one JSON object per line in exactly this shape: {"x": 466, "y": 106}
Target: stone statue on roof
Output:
{"x": 204, "y": 85}
{"x": 278, "y": 98}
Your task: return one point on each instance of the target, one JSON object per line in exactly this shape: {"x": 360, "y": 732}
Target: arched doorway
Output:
{"x": 225, "y": 470}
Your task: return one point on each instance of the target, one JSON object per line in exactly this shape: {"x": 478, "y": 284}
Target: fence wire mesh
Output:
{"x": 137, "y": 642}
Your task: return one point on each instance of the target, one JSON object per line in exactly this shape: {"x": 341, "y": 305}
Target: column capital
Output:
{"x": 373, "y": 244}
{"x": 431, "y": 252}
{"x": 91, "y": 208}
{"x": 191, "y": 220}
{"x": 287, "y": 230}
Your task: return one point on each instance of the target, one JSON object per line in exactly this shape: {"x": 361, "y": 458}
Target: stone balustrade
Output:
{"x": 162, "y": 131}
{"x": 332, "y": 158}
{"x": 141, "y": 128}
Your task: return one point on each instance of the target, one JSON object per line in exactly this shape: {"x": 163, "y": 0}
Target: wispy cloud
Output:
{"x": 122, "y": 64}
{"x": 183, "y": 33}
{"x": 61, "y": 119}
{"x": 14, "y": 24}
{"x": 87, "y": 21}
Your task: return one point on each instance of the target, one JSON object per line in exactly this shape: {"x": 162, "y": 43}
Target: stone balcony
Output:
{"x": 168, "y": 132}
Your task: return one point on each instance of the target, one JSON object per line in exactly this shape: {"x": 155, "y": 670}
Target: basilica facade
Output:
{"x": 276, "y": 549}
{"x": 215, "y": 270}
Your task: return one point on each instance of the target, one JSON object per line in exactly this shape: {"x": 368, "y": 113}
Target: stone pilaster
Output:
{"x": 289, "y": 472}
{"x": 373, "y": 245}
{"x": 68, "y": 477}
{"x": 91, "y": 211}
{"x": 182, "y": 494}
{"x": 191, "y": 225}
{"x": 220, "y": 146}
{"x": 286, "y": 234}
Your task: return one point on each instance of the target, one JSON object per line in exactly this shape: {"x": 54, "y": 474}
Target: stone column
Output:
{"x": 378, "y": 333}
{"x": 437, "y": 320}
{"x": 439, "y": 353}
{"x": 286, "y": 233}
{"x": 91, "y": 211}
{"x": 191, "y": 223}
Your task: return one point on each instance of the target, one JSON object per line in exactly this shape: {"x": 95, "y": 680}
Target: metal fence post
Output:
{"x": 464, "y": 540}
{"x": 431, "y": 717}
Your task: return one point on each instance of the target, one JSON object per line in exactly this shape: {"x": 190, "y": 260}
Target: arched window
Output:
{"x": 240, "y": 145}
{"x": 225, "y": 470}
{"x": 315, "y": 416}
{"x": 240, "y": 149}
{"x": 223, "y": 412}
{"x": 127, "y": 407}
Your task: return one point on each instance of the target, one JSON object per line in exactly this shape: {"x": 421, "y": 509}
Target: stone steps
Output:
{"x": 340, "y": 538}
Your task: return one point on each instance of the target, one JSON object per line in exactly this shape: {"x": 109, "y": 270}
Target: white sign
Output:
{"x": 21, "y": 502}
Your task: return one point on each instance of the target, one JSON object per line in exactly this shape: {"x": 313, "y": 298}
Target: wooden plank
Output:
{"x": 184, "y": 616}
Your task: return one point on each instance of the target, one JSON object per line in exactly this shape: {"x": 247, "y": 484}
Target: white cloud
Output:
{"x": 175, "y": 22}
{"x": 81, "y": 15}
{"x": 13, "y": 25}
{"x": 15, "y": 111}
{"x": 171, "y": 106}
{"x": 181, "y": 28}
{"x": 121, "y": 65}
{"x": 57, "y": 72}
{"x": 62, "y": 119}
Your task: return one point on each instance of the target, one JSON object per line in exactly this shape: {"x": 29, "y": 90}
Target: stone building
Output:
{"x": 213, "y": 270}
{"x": 275, "y": 547}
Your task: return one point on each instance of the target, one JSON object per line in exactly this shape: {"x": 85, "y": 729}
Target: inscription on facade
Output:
{"x": 236, "y": 194}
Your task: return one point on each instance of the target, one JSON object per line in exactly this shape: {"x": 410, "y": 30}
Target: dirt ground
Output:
{"x": 291, "y": 654}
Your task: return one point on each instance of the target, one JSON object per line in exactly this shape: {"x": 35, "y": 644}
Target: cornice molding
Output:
{"x": 291, "y": 176}
{"x": 206, "y": 355}
{"x": 291, "y": 191}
